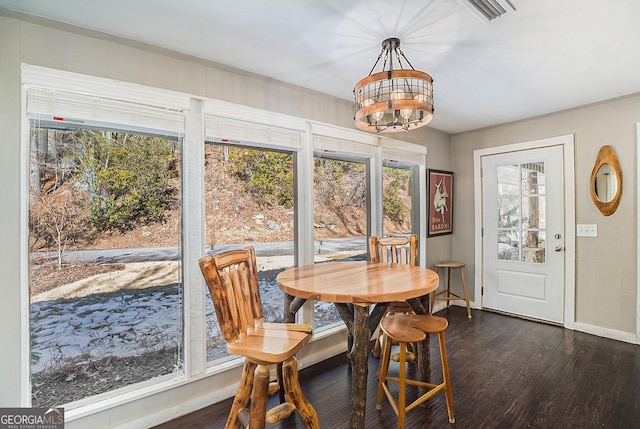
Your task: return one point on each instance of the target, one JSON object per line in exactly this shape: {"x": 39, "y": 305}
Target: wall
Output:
{"x": 606, "y": 284}
{"x": 11, "y": 266}
{"x": 439, "y": 158}
{"x": 45, "y": 43}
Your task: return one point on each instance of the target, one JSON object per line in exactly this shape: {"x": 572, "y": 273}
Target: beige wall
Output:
{"x": 10, "y": 263}
{"x": 439, "y": 158}
{"x": 606, "y": 284}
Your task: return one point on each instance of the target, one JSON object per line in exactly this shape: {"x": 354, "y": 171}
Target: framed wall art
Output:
{"x": 440, "y": 202}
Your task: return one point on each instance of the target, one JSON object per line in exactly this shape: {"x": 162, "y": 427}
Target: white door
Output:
{"x": 523, "y": 233}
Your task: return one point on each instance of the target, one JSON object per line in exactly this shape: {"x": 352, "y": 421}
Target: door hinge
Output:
{"x": 481, "y": 290}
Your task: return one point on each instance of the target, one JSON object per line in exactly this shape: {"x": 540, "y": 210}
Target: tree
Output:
{"x": 267, "y": 175}
{"x": 396, "y": 183}
{"x": 127, "y": 176}
{"x": 326, "y": 179}
{"x": 58, "y": 215}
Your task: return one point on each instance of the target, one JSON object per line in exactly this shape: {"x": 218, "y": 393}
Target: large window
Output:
{"x": 105, "y": 250}
{"x": 116, "y": 223}
{"x": 249, "y": 202}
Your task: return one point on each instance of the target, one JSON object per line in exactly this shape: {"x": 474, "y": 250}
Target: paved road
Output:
{"x": 110, "y": 256}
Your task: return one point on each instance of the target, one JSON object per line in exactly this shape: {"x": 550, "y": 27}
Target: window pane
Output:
{"x": 534, "y": 247}
{"x": 396, "y": 200}
{"x": 533, "y": 212}
{"x": 533, "y": 178}
{"x": 509, "y": 245}
{"x": 508, "y": 180}
{"x": 340, "y": 220}
{"x": 249, "y": 202}
{"x": 105, "y": 240}
{"x": 509, "y": 212}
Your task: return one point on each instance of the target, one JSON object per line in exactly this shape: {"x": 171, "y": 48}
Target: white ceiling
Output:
{"x": 546, "y": 56}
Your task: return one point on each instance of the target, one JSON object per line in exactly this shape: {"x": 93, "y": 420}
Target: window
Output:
{"x": 340, "y": 219}
{"x": 105, "y": 250}
{"x": 249, "y": 202}
{"x": 397, "y": 200}
{"x": 521, "y": 212}
{"x": 99, "y": 348}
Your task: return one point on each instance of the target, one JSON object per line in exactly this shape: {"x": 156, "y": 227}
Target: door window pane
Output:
{"x": 340, "y": 220}
{"x": 249, "y": 202}
{"x": 521, "y": 213}
{"x": 508, "y": 180}
{"x": 509, "y": 212}
{"x": 105, "y": 252}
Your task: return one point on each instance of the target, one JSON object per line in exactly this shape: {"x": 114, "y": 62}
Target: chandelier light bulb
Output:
{"x": 406, "y": 113}
{"x": 378, "y": 115}
{"x": 397, "y": 94}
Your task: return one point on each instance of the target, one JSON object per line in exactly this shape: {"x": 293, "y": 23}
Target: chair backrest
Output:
{"x": 232, "y": 279}
{"x": 400, "y": 249}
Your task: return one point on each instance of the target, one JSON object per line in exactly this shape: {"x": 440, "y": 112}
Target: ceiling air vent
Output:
{"x": 489, "y": 9}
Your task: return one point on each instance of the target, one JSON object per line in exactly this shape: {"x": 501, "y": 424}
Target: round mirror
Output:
{"x": 606, "y": 181}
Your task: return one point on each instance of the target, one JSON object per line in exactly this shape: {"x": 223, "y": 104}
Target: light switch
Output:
{"x": 587, "y": 230}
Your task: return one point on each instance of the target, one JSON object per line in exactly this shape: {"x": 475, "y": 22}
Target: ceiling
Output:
{"x": 542, "y": 57}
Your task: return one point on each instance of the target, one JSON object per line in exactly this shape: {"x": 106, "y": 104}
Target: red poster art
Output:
{"x": 440, "y": 202}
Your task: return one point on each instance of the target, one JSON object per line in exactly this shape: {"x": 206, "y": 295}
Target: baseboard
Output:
{"x": 581, "y": 327}
{"x": 606, "y": 333}
{"x": 441, "y": 305}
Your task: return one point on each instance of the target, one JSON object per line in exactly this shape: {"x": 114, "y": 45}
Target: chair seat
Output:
{"x": 449, "y": 264}
{"x": 412, "y": 328}
{"x": 274, "y": 343}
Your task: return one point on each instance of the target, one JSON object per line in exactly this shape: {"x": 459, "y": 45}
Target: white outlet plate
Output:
{"x": 587, "y": 230}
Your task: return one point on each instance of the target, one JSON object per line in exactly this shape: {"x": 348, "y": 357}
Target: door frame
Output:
{"x": 638, "y": 235}
{"x": 567, "y": 143}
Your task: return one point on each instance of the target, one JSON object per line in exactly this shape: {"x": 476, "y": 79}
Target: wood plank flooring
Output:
{"x": 506, "y": 373}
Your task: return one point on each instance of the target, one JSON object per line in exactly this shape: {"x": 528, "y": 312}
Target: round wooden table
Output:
{"x": 353, "y": 287}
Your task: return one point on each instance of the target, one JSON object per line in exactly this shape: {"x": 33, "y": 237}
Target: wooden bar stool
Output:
{"x": 232, "y": 279}
{"x": 406, "y": 329}
{"x": 448, "y": 295}
{"x": 398, "y": 250}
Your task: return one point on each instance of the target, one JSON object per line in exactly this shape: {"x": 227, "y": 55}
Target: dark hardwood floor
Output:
{"x": 506, "y": 373}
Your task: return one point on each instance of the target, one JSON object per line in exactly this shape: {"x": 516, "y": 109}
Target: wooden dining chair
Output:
{"x": 400, "y": 250}
{"x": 406, "y": 329}
{"x": 233, "y": 283}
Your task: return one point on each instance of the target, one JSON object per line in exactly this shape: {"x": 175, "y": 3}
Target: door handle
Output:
{"x": 558, "y": 249}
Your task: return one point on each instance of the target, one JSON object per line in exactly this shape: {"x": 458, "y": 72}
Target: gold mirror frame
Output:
{"x": 606, "y": 156}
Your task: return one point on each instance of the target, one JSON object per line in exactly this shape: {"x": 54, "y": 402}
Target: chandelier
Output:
{"x": 392, "y": 100}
